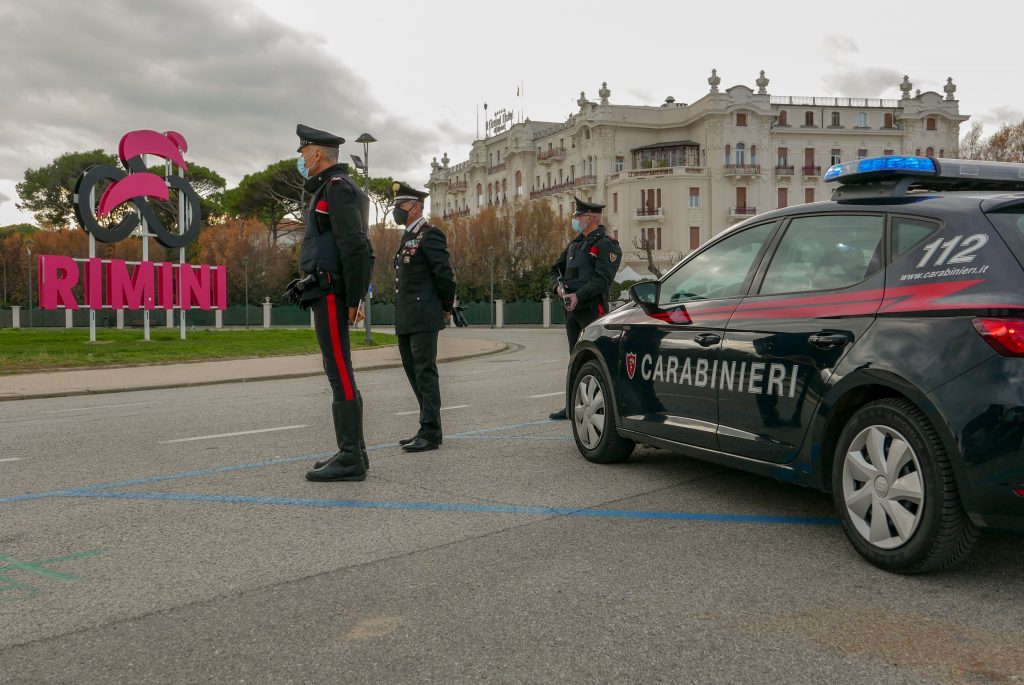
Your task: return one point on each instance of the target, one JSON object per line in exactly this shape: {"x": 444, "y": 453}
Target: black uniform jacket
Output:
{"x": 587, "y": 266}
{"x": 338, "y": 207}
{"x": 426, "y": 284}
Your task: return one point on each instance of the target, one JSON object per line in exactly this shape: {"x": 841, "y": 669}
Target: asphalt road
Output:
{"x": 138, "y": 546}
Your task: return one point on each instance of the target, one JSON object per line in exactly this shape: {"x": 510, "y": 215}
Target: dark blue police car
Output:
{"x": 871, "y": 346}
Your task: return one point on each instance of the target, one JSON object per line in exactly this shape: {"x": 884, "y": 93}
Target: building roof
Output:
{"x": 674, "y": 143}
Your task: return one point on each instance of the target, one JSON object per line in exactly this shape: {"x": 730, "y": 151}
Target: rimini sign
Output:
{"x": 143, "y": 285}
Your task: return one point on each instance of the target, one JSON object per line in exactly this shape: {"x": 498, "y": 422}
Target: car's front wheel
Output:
{"x": 593, "y": 421}
{"x": 896, "y": 493}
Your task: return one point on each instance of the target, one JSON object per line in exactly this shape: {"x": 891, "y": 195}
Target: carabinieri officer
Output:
{"x": 424, "y": 299}
{"x": 586, "y": 269}
{"x": 336, "y": 257}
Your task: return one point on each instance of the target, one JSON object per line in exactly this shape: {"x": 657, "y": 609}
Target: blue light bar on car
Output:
{"x": 890, "y": 165}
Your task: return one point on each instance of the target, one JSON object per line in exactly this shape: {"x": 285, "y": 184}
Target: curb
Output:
{"x": 503, "y": 347}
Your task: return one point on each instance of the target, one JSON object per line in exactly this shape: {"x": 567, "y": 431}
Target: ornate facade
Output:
{"x": 676, "y": 174}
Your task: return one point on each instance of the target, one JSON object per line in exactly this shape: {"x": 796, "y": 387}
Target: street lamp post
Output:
{"x": 366, "y": 139}
{"x": 28, "y": 248}
{"x": 4, "y": 259}
{"x": 245, "y": 269}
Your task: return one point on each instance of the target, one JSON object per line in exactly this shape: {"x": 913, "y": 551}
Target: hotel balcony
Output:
{"x": 456, "y": 186}
{"x": 741, "y": 212}
{"x": 668, "y": 171}
{"x": 784, "y": 170}
{"x": 649, "y": 214}
{"x": 555, "y": 154}
{"x": 582, "y": 181}
{"x": 812, "y": 171}
{"x": 741, "y": 169}
{"x": 497, "y": 168}
{"x": 566, "y": 187}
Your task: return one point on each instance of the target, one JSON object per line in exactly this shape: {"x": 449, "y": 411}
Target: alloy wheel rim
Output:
{"x": 589, "y": 412}
{"x": 883, "y": 487}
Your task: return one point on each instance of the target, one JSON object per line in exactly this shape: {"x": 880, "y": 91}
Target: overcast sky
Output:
{"x": 235, "y": 76}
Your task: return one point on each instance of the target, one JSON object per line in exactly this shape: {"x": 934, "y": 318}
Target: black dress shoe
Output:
{"x": 347, "y": 468}
{"x": 420, "y": 445}
{"x": 559, "y": 415}
{"x": 405, "y": 441}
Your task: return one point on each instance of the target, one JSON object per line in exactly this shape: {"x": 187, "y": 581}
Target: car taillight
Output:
{"x": 1006, "y": 336}
{"x": 1019, "y": 490}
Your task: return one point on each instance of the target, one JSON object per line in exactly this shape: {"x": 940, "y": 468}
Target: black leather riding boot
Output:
{"x": 362, "y": 441}
{"x": 347, "y": 464}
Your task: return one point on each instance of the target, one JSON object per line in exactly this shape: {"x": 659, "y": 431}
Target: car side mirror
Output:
{"x": 645, "y": 294}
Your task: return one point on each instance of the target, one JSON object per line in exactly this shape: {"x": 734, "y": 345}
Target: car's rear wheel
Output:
{"x": 593, "y": 422}
{"x": 896, "y": 493}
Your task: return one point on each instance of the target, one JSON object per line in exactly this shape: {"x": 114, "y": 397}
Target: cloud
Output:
{"x": 837, "y": 47}
{"x": 1000, "y": 115}
{"x": 862, "y": 82}
{"x": 852, "y": 80}
{"x": 233, "y": 81}
{"x": 4, "y": 197}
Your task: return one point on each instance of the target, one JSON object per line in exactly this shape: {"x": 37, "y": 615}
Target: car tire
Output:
{"x": 593, "y": 418}
{"x": 896, "y": 493}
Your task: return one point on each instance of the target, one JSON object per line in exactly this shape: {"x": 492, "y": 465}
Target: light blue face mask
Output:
{"x": 301, "y": 165}
{"x": 576, "y": 225}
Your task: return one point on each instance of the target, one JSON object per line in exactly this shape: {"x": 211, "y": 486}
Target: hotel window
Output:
{"x": 741, "y": 119}
{"x": 615, "y": 202}
{"x": 888, "y": 120}
{"x": 783, "y": 118}
{"x": 887, "y": 152}
{"x": 942, "y": 152}
{"x": 653, "y": 235}
{"x": 808, "y": 118}
{"x": 930, "y": 123}
{"x": 917, "y": 152}
{"x": 728, "y": 153}
{"x": 694, "y": 237}
{"x": 783, "y": 157}
{"x": 479, "y": 195}
{"x": 862, "y": 153}
{"x": 741, "y": 152}
{"x": 695, "y": 198}
{"x": 615, "y": 234}
{"x": 753, "y": 154}
{"x": 619, "y": 163}
{"x": 835, "y": 118}
{"x": 836, "y": 156}
{"x": 862, "y": 119}
{"x": 808, "y": 194}
{"x": 499, "y": 156}
{"x": 930, "y": 152}
{"x": 783, "y": 197}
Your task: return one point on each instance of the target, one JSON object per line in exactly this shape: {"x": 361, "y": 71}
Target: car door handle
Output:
{"x": 707, "y": 339}
{"x": 827, "y": 341}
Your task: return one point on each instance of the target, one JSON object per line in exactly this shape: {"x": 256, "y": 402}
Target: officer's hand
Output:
{"x": 560, "y": 291}
{"x": 447, "y": 317}
{"x": 291, "y": 293}
{"x": 354, "y": 315}
{"x": 571, "y": 301}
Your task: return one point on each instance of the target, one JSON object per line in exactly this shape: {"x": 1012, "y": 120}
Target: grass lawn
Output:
{"x": 41, "y": 349}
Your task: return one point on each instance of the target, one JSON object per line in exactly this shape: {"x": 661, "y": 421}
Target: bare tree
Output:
{"x": 971, "y": 145}
{"x": 646, "y": 245}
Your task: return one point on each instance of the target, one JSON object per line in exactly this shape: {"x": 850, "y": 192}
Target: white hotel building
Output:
{"x": 680, "y": 173}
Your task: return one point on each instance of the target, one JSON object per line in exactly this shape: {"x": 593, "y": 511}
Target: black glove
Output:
{"x": 292, "y": 293}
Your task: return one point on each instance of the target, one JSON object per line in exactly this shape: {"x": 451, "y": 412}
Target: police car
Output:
{"x": 871, "y": 346}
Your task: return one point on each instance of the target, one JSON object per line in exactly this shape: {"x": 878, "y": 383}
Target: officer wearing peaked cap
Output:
{"x": 336, "y": 258}
{"x": 583, "y": 274}
{"x": 424, "y": 299}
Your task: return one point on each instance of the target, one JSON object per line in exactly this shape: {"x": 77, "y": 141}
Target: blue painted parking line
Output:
{"x": 455, "y": 507}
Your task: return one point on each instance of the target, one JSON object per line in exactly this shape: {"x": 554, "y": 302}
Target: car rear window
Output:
{"x": 1011, "y": 227}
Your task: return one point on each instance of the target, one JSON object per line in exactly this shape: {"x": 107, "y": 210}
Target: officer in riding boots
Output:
{"x": 583, "y": 274}
{"x": 336, "y": 258}
{"x": 425, "y": 296}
